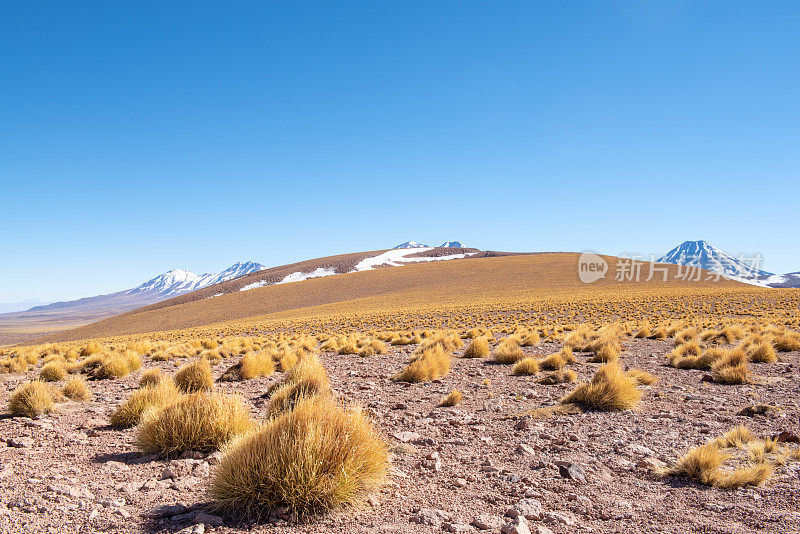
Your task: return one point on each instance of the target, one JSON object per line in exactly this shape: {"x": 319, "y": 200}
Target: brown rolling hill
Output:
{"x": 500, "y": 281}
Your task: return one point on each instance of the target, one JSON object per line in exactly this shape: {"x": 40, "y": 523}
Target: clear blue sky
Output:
{"x": 140, "y": 136}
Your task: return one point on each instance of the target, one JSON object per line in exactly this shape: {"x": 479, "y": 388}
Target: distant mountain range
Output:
{"x": 9, "y": 307}
{"x": 180, "y": 282}
{"x": 744, "y": 269}
{"x": 446, "y": 244}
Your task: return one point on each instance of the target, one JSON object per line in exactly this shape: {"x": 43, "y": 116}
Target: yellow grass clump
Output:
{"x": 317, "y": 457}
{"x": 705, "y": 463}
{"x": 559, "y": 377}
{"x": 559, "y": 360}
{"x": 307, "y": 378}
{"x": 150, "y": 377}
{"x": 451, "y": 399}
{"x": 642, "y": 378}
{"x": 610, "y": 389}
{"x": 53, "y": 372}
{"x": 526, "y": 366}
{"x": 76, "y": 389}
{"x": 432, "y": 364}
{"x": 478, "y": 348}
{"x": 154, "y": 396}
{"x": 731, "y": 368}
{"x": 198, "y": 422}
{"x": 508, "y": 351}
{"x": 257, "y": 364}
{"x": 31, "y": 400}
{"x": 195, "y": 376}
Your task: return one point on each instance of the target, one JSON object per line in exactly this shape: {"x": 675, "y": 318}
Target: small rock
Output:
{"x": 21, "y": 442}
{"x": 167, "y": 510}
{"x": 528, "y": 508}
{"x": 522, "y": 448}
{"x": 519, "y": 525}
{"x": 488, "y": 522}
{"x": 555, "y": 518}
{"x": 456, "y": 527}
{"x": 430, "y": 516}
{"x": 208, "y": 519}
{"x": 406, "y": 436}
{"x": 572, "y": 472}
{"x": 214, "y": 458}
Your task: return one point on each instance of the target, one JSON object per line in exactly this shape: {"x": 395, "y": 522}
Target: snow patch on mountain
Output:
{"x": 178, "y": 281}
{"x": 452, "y": 244}
{"x": 300, "y": 276}
{"x": 410, "y": 244}
{"x": 399, "y": 257}
{"x": 704, "y": 255}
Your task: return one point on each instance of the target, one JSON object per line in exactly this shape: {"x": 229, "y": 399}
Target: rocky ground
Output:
{"x": 469, "y": 468}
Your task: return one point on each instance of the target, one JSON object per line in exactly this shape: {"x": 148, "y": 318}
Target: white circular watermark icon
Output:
{"x": 591, "y": 267}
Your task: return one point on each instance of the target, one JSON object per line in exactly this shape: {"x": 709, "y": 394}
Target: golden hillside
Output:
{"x": 545, "y": 284}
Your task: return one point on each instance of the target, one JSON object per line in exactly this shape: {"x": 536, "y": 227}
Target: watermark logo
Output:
{"x": 591, "y": 268}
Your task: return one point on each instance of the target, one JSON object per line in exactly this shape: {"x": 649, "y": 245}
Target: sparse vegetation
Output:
{"x": 316, "y": 457}
{"x": 31, "y": 400}
{"x": 452, "y": 399}
{"x": 197, "y": 422}
{"x": 609, "y": 389}
{"x": 195, "y": 376}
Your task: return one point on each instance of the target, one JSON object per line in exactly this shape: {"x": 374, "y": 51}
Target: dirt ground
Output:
{"x": 455, "y": 469}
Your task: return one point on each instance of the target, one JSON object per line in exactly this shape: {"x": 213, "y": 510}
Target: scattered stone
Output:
{"x": 214, "y": 458}
{"x": 519, "y": 525}
{"x": 167, "y": 510}
{"x": 522, "y": 448}
{"x": 785, "y": 436}
{"x": 528, "y": 508}
{"x": 488, "y": 522}
{"x": 572, "y": 472}
{"x": 21, "y": 442}
{"x": 456, "y": 527}
{"x": 430, "y": 516}
{"x": 406, "y": 436}
{"x": 756, "y": 409}
{"x": 555, "y": 518}
{"x": 208, "y": 519}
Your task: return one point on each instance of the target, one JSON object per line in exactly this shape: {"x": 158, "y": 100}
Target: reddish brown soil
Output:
{"x": 44, "y": 487}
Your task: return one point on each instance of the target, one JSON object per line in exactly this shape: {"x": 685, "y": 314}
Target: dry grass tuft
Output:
{"x": 610, "y": 389}
{"x": 731, "y": 368}
{"x": 257, "y": 364}
{"x": 559, "y": 377}
{"x": 198, "y": 422}
{"x": 453, "y": 398}
{"x": 317, "y": 457}
{"x": 478, "y": 348}
{"x": 526, "y": 366}
{"x": 432, "y": 364}
{"x": 705, "y": 463}
{"x": 195, "y": 376}
{"x": 151, "y": 377}
{"x": 642, "y": 378}
{"x": 53, "y": 372}
{"x": 559, "y": 360}
{"x": 76, "y": 389}
{"x": 508, "y": 351}
{"x": 31, "y": 400}
{"x": 154, "y": 396}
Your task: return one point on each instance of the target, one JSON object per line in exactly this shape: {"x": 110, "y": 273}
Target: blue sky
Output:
{"x": 137, "y": 137}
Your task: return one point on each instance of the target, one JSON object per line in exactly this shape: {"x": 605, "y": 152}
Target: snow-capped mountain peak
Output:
{"x": 704, "y": 255}
{"x": 178, "y": 281}
{"x": 452, "y": 244}
{"x": 410, "y": 244}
